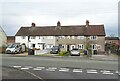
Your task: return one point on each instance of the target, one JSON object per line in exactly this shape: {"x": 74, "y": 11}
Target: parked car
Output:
{"x": 15, "y": 48}
{"x": 55, "y": 50}
{"x": 75, "y": 51}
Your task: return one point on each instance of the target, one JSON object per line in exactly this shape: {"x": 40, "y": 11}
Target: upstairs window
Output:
{"x": 73, "y": 37}
{"x": 39, "y": 37}
{"x": 23, "y": 37}
{"x": 33, "y": 37}
{"x": 68, "y": 37}
{"x": 93, "y": 37}
{"x": 80, "y": 37}
{"x": 61, "y": 37}
{"x": 50, "y": 37}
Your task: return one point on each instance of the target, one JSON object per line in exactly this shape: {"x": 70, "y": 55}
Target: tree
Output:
{"x": 88, "y": 46}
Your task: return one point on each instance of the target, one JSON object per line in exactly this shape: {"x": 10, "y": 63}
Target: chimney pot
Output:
{"x": 58, "y": 23}
{"x": 33, "y": 24}
{"x": 87, "y": 23}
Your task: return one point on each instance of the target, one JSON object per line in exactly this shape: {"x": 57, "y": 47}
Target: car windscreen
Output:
{"x": 54, "y": 48}
{"x": 12, "y": 46}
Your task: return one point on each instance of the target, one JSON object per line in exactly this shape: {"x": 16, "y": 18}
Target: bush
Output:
{"x": 64, "y": 53}
{"x": 81, "y": 51}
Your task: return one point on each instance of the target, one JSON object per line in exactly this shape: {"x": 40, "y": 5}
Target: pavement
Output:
{"x": 110, "y": 57}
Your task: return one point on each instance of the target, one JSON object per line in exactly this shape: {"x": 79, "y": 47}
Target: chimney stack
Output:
{"x": 58, "y": 23}
{"x": 87, "y": 23}
{"x": 33, "y": 25}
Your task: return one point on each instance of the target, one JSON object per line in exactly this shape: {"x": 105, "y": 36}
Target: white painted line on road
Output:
{"x": 116, "y": 72}
{"x": 64, "y": 69}
{"x": 28, "y": 67}
{"x": 104, "y": 71}
{"x": 77, "y": 70}
{"x": 50, "y": 69}
{"x": 37, "y": 69}
{"x": 34, "y": 75}
{"x": 41, "y": 67}
{"x": 92, "y": 71}
{"x": 17, "y": 66}
{"x": 24, "y": 68}
{"x": 108, "y": 73}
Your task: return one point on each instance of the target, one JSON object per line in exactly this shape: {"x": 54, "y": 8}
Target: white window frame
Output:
{"x": 73, "y": 37}
{"x": 80, "y": 46}
{"x": 72, "y": 46}
{"x": 33, "y": 37}
{"x": 80, "y": 37}
{"x": 94, "y": 47}
{"x": 61, "y": 37}
{"x": 68, "y": 37}
{"x": 93, "y": 37}
{"x": 50, "y": 37}
{"x": 39, "y": 37}
{"x": 23, "y": 37}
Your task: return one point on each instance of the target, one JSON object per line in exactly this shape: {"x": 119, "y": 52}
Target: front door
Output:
{"x": 68, "y": 47}
{"x": 33, "y": 45}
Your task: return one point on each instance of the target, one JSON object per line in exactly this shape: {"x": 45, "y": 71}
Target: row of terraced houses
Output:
{"x": 68, "y": 37}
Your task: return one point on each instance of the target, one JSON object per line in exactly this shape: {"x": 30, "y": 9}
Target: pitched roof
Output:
{"x": 111, "y": 38}
{"x": 64, "y": 30}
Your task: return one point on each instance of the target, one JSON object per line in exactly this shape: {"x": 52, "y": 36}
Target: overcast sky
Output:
{"x": 17, "y": 13}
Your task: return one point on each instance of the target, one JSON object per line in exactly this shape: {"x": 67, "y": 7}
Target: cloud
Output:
{"x": 47, "y": 12}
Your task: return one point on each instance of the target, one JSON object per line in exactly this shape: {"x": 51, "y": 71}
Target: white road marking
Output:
{"x": 64, "y": 69}
{"x": 37, "y": 69}
{"x": 34, "y": 75}
{"x": 41, "y": 67}
{"x": 108, "y": 73}
{"x": 24, "y": 68}
{"x": 28, "y": 67}
{"x": 92, "y": 71}
{"x": 104, "y": 71}
{"x": 116, "y": 72}
{"x": 77, "y": 70}
{"x": 50, "y": 69}
{"x": 17, "y": 66}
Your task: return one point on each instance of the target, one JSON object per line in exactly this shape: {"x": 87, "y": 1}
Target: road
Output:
{"x": 43, "y": 68}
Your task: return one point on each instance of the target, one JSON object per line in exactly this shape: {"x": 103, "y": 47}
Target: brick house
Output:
{"x": 69, "y": 37}
{"x": 10, "y": 39}
{"x": 113, "y": 40}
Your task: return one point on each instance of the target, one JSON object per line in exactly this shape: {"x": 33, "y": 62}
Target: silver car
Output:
{"x": 75, "y": 51}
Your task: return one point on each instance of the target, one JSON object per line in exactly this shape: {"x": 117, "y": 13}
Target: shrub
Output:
{"x": 64, "y": 53}
{"x": 60, "y": 53}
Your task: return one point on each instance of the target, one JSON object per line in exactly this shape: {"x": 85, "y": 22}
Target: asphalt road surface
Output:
{"x": 43, "y": 68}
